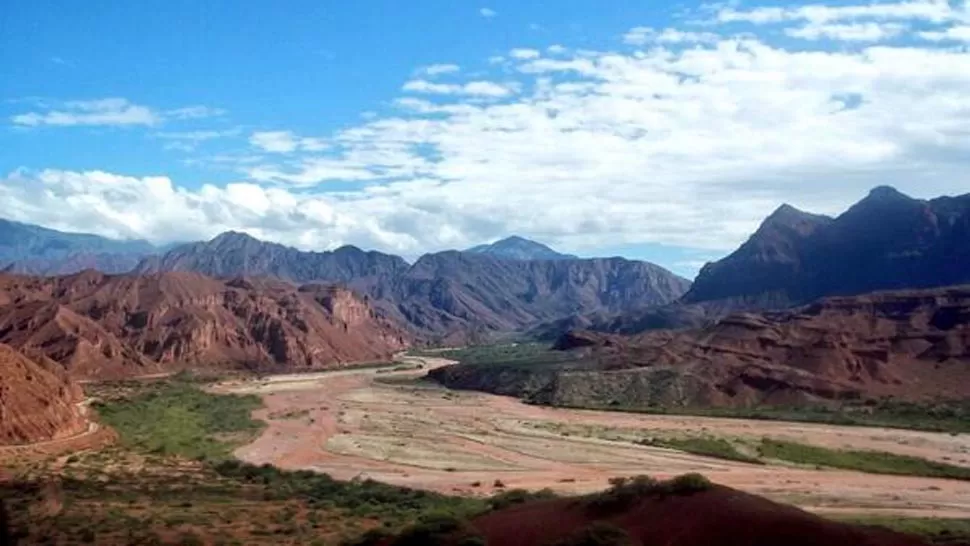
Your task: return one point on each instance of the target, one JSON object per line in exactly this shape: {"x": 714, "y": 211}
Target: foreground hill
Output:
{"x": 447, "y": 297}
{"x": 37, "y": 402}
{"x": 102, "y": 326}
{"x": 886, "y": 241}
{"x": 910, "y": 345}
{"x": 685, "y": 511}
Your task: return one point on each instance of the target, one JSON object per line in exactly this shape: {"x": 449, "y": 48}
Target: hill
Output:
{"x": 685, "y": 511}
{"x": 37, "y": 402}
{"x": 103, "y": 326}
{"x": 909, "y": 345}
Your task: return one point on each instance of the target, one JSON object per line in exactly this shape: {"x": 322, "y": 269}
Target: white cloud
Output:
{"x": 476, "y": 88}
{"x": 523, "y": 53}
{"x": 285, "y": 142}
{"x": 673, "y": 145}
{"x": 925, "y": 10}
{"x": 644, "y": 35}
{"x": 850, "y": 32}
{"x": 953, "y": 34}
{"x": 111, "y": 111}
{"x": 556, "y": 49}
{"x": 487, "y": 13}
{"x": 108, "y": 112}
{"x": 438, "y": 69}
{"x": 194, "y": 112}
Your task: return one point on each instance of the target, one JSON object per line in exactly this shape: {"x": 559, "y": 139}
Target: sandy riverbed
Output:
{"x": 349, "y": 423}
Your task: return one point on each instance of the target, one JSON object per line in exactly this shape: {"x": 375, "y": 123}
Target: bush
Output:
{"x": 435, "y": 529}
{"x": 518, "y": 496}
{"x": 624, "y": 492}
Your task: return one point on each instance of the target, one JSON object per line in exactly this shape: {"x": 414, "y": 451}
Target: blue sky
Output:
{"x": 646, "y": 129}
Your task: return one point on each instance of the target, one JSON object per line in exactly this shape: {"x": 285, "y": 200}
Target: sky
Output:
{"x": 651, "y": 130}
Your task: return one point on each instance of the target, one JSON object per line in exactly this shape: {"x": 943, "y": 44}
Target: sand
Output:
{"x": 361, "y": 423}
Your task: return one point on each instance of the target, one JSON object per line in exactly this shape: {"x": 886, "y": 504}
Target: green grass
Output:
{"x": 704, "y": 445}
{"x": 178, "y": 418}
{"x": 875, "y": 462}
{"x": 940, "y": 530}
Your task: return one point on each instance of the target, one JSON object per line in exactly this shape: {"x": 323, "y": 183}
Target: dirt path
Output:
{"x": 93, "y": 436}
{"x": 350, "y": 423}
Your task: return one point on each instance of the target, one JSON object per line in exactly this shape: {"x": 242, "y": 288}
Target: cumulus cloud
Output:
{"x": 523, "y": 53}
{"x": 663, "y": 144}
{"x": 487, "y": 13}
{"x": 935, "y": 11}
{"x": 645, "y": 35}
{"x": 951, "y": 34}
{"x": 107, "y": 112}
{"x": 850, "y": 32}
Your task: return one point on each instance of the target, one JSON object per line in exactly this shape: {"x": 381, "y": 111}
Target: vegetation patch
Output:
{"x": 875, "y": 462}
{"x": 706, "y": 446}
{"x": 625, "y": 492}
{"x": 937, "y": 530}
{"x": 179, "y": 418}
{"x": 597, "y": 534}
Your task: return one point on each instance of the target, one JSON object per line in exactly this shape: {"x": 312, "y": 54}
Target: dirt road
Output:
{"x": 360, "y": 423}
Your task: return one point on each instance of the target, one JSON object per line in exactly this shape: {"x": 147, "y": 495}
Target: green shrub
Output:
{"x": 875, "y": 462}
{"x": 624, "y": 492}
{"x": 513, "y": 497}
{"x": 435, "y": 529}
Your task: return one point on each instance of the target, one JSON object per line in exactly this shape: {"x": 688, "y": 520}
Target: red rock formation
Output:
{"x": 37, "y": 402}
{"x": 101, "y": 326}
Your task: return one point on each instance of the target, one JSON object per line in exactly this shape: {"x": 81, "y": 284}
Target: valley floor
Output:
{"x": 385, "y": 425}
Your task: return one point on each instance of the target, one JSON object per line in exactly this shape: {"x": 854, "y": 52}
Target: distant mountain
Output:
{"x": 886, "y": 241}
{"x": 518, "y": 248}
{"x": 448, "y": 296}
{"x": 27, "y": 248}
{"x": 455, "y": 293}
{"x": 234, "y": 254}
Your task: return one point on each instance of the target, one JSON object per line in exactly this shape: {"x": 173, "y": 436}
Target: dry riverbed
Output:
{"x": 351, "y": 424}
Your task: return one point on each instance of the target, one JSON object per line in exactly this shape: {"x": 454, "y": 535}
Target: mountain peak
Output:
{"x": 887, "y": 192}
{"x": 232, "y": 238}
{"x": 519, "y": 248}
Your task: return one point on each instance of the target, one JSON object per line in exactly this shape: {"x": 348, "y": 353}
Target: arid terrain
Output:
{"x": 379, "y": 424}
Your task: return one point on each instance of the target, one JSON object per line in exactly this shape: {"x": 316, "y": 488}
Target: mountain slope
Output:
{"x": 237, "y": 254}
{"x": 886, "y": 241}
{"x": 100, "y": 326}
{"x": 518, "y": 248}
{"x": 905, "y": 344}
{"x": 37, "y": 403}
{"x": 451, "y": 293}
{"x": 31, "y": 249}
{"x": 444, "y": 297}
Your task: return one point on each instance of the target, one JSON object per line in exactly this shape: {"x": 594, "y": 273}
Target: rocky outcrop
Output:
{"x": 37, "y": 402}
{"x": 101, "y": 326}
{"x": 910, "y": 345}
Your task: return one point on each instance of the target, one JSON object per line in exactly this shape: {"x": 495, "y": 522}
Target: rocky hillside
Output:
{"x": 453, "y": 293}
{"x": 447, "y": 297}
{"x": 237, "y": 254}
{"x": 101, "y": 326}
{"x": 909, "y": 345}
{"x": 886, "y": 241}
{"x": 37, "y": 402}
